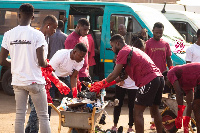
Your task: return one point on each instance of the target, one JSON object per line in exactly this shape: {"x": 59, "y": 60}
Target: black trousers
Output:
{"x": 120, "y": 94}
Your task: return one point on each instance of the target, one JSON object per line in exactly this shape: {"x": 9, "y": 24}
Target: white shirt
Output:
{"x": 193, "y": 53}
{"x": 22, "y": 42}
{"x": 63, "y": 64}
{"x": 129, "y": 84}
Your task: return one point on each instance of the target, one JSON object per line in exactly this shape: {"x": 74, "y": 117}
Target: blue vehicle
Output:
{"x": 104, "y": 19}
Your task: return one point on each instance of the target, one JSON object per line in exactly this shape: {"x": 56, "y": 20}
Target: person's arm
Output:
{"x": 40, "y": 55}
{"x": 73, "y": 79}
{"x": 189, "y": 55}
{"x": 179, "y": 92}
{"x": 169, "y": 61}
{"x": 112, "y": 76}
{"x": 3, "y": 57}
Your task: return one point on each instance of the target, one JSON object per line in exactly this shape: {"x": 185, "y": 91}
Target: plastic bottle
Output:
{"x": 103, "y": 94}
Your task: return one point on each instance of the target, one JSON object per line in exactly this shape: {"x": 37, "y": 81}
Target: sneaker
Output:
{"x": 153, "y": 127}
{"x": 114, "y": 128}
{"x": 194, "y": 128}
{"x": 130, "y": 130}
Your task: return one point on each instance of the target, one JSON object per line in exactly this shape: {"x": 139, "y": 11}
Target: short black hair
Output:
{"x": 198, "y": 33}
{"x": 50, "y": 19}
{"x": 81, "y": 47}
{"x": 83, "y": 21}
{"x": 27, "y": 9}
{"x": 138, "y": 43}
{"x": 158, "y": 25}
{"x": 117, "y": 37}
{"x": 60, "y": 24}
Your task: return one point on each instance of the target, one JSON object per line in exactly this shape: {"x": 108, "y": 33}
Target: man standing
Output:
{"x": 48, "y": 27}
{"x": 146, "y": 75}
{"x": 80, "y": 35}
{"x": 192, "y": 53}
{"x": 26, "y": 47}
{"x": 159, "y": 51}
{"x": 57, "y": 40}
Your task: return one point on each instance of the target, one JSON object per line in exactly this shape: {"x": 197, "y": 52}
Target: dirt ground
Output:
{"x": 7, "y": 117}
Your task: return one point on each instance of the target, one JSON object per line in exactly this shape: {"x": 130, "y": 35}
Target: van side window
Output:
{"x": 129, "y": 21}
{"x": 185, "y": 30}
{"x": 39, "y": 15}
{"x": 8, "y": 19}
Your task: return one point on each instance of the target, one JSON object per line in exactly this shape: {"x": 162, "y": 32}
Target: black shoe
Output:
{"x": 120, "y": 129}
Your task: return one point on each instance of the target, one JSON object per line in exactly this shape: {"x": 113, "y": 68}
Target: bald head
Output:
{"x": 122, "y": 30}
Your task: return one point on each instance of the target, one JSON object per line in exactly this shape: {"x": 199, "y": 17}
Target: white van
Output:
{"x": 187, "y": 23}
{"x": 185, "y": 18}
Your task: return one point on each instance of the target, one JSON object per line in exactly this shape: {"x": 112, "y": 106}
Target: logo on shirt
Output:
{"x": 157, "y": 49}
{"x": 179, "y": 46}
{"x": 20, "y": 42}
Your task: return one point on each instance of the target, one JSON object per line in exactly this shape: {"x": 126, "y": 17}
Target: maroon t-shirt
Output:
{"x": 141, "y": 69}
{"x": 158, "y": 51}
{"x": 188, "y": 75}
{"x": 70, "y": 43}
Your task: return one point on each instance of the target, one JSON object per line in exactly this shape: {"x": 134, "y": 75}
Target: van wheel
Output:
{"x": 169, "y": 115}
{"x": 6, "y": 83}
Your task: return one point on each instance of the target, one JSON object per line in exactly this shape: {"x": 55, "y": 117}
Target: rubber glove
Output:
{"x": 186, "y": 120}
{"x": 178, "y": 120}
{"x": 74, "y": 92}
{"x": 97, "y": 86}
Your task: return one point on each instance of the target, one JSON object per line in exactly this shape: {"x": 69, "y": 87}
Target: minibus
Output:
{"x": 102, "y": 16}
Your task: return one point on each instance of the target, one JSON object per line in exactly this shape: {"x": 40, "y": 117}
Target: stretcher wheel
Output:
{"x": 169, "y": 115}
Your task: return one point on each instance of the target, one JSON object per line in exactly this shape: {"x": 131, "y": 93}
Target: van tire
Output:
{"x": 6, "y": 83}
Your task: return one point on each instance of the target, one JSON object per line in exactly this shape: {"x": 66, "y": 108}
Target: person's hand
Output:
{"x": 62, "y": 87}
{"x": 74, "y": 92}
{"x": 178, "y": 120}
{"x": 97, "y": 86}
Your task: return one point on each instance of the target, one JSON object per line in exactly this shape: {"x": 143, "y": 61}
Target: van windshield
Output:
{"x": 150, "y": 18}
{"x": 196, "y": 19}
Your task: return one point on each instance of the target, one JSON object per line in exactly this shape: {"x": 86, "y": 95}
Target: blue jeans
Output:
{"x": 33, "y": 123}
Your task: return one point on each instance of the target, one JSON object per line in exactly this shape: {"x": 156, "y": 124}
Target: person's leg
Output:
{"x": 131, "y": 99}
{"x": 39, "y": 98}
{"x": 158, "y": 85}
{"x": 33, "y": 123}
{"x": 21, "y": 98}
{"x": 148, "y": 95}
{"x": 119, "y": 94}
{"x": 52, "y": 92}
{"x": 157, "y": 117}
{"x": 196, "y": 107}
{"x": 138, "y": 116}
